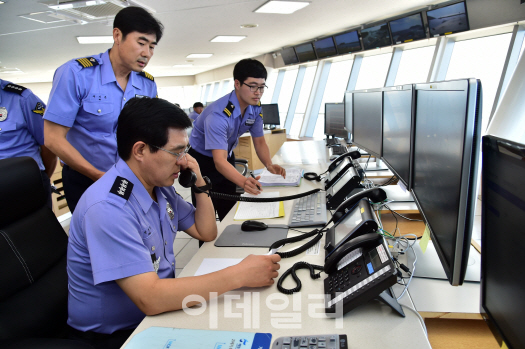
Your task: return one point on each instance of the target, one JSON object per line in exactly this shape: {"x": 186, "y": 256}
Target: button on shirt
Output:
{"x": 89, "y": 101}
{"x": 112, "y": 238}
{"x": 214, "y": 129}
{"x": 21, "y": 124}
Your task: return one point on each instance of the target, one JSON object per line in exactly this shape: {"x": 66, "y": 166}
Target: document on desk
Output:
{"x": 167, "y": 337}
{"x": 259, "y": 210}
{"x": 293, "y": 178}
{"x": 210, "y": 265}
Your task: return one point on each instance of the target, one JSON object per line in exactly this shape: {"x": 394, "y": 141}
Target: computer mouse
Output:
{"x": 253, "y": 226}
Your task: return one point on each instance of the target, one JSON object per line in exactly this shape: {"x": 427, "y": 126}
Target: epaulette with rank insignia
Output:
{"x": 229, "y": 109}
{"x": 147, "y": 75}
{"x": 15, "y": 88}
{"x": 259, "y": 104}
{"x": 260, "y": 114}
{"x": 122, "y": 187}
{"x": 87, "y": 62}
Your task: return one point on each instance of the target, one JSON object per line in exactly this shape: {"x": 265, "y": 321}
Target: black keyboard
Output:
{"x": 338, "y": 150}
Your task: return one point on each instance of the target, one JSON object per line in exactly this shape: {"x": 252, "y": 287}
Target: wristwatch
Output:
{"x": 204, "y": 188}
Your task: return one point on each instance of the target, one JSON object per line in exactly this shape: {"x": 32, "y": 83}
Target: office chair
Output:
{"x": 242, "y": 166}
{"x": 33, "y": 246}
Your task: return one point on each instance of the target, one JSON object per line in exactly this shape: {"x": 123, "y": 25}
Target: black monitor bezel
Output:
{"x": 358, "y": 144}
{"x": 310, "y": 44}
{"x": 347, "y": 32}
{"x": 405, "y": 41}
{"x": 326, "y": 120}
{"x": 278, "y": 115}
{"x": 373, "y": 26}
{"x": 329, "y": 55}
{"x": 446, "y": 33}
{"x": 292, "y": 49}
{"x": 349, "y": 113}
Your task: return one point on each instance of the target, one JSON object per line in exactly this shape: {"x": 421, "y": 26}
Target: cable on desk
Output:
{"x": 316, "y": 232}
{"x": 312, "y": 176}
{"x": 419, "y": 316}
{"x": 252, "y": 199}
{"x": 400, "y": 215}
{"x": 292, "y": 270}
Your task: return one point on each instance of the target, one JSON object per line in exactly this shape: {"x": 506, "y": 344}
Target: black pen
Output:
{"x": 251, "y": 174}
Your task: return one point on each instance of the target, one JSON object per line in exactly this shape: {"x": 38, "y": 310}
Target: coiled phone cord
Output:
{"x": 298, "y": 250}
{"x": 292, "y": 270}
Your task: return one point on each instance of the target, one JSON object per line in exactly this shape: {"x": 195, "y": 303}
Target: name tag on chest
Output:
{"x": 140, "y": 96}
{"x": 249, "y": 122}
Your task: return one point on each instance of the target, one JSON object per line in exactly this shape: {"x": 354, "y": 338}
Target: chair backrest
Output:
{"x": 33, "y": 247}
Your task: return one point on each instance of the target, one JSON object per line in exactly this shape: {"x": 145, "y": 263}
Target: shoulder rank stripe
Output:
{"x": 87, "y": 62}
{"x": 229, "y": 109}
{"x": 122, "y": 187}
{"x": 147, "y": 75}
{"x": 259, "y": 104}
{"x": 39, "y": 109}
{"x": 15, "y": 88}
{"x": 260, "y": 114}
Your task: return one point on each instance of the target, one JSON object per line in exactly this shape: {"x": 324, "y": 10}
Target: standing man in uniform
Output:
{"x": 197, "y": 110}
{"x": 22, "y": 130}
{"x": 120, "y": 259}
{"x": 88, "y": 95}
{"x": 217, "y": 130}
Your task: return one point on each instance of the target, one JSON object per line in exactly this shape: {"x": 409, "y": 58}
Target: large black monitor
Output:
{"x": 367, "y": 126}
{"x": 447, "y": 20}
{"x": 347, "y": 42}
{"x": 289, "y": 56}
{"x": 305, "y": 52}
{"x": 348, "y": 113}
{"x": 407, "y": 29}
{"x": 325, "y": 47}
{"x": 502, "y": 243}
{"x": 376, "y": 37}
{"x": 398, "y": 131}
{"x": 334, "y": 116}
{"x": 270, "y": 113}
{"x": 446, "y": 152}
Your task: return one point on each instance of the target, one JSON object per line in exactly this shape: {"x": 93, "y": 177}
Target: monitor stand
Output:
{"x": 377, "y": 165}
{"x": 428, "y": 264}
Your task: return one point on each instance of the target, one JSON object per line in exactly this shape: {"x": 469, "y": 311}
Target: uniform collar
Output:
{"x": 108, "y": 75}
{"x": 237, "y": 111}
{"x": 139, "y": 191}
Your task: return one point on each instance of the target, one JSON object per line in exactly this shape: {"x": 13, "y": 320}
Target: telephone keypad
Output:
{"x": 330, "y": 341}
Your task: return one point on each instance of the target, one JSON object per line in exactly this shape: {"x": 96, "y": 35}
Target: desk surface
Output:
{"x": 372, "y": 325}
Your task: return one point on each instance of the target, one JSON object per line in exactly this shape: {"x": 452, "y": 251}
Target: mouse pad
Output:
{"x": 233, "y": 236}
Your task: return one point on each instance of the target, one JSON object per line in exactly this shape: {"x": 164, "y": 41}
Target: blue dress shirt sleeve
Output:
{"x": 33, "y": 109}
{"x": 216, "y": 132}
{"x": 65, "y": 98}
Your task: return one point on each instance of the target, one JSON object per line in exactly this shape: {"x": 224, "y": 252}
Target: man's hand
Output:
{"x": 276, "y": 169}
{"x": 258, "y": 271}
{"x": 252, "y": 185}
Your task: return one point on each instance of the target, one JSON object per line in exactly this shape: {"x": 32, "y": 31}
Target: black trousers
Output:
{"x": 219, "y": 183}
{"x": 47, "y": 188}
{"x": 100, "y": 340}
{"x": 75, "y": 184}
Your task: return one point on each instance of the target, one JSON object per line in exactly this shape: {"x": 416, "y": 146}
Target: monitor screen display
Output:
{"x": 270, "y": 114}
{"x": 349, "y": 222}
{"x": 289, "y": 56}
{"x": 347, "y": 42}
{"x": 376, "y": 37}
{"x": 407, "y": 29}
{"x": 334, "y": 114}
{"x": 502, "y": 244}
{"x": 447, "y": 20}
{"x": 446, "y": 150}
{"x": 305, "y": 52}
{"x": 348, "y": 113}
{"x": 398, "y": 132}
{"x": 367, "y": 129}
{"x": 343, "y": 180}
{"x": 325, "y": 47}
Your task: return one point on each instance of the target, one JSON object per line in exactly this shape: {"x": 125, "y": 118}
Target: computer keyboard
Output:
{"x": 337, "y": 150}
{"x": 309, "y": 210}
{"x": 324, "y": 341}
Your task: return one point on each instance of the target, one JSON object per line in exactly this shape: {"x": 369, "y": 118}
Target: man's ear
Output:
{"x": 138, "y": 150}
{"x": 117, "y": 36}
{"x": 237, "y": 84}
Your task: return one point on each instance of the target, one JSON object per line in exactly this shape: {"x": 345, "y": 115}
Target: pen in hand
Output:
{"x": 251, "y": 174}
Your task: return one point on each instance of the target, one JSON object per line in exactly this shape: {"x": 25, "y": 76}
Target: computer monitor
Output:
{"x": 398, "y": 131}
{"x": 367, "y": 116}
{"x": 334, "y": 117}
{"x": 347, "y": 42}
{"x": 325, "y": 47}
{"x": 348, "y": 113}
{"x": 446, "y": 152}
{"x": 305, "y": 52}
{"x": 407, "y": 29}
{"x": 502, "y": 244}
{"x": 448, "y": 19}
{"x": 289, "y": 56}
{"x": 270, "y": 114}
{"x": 375, "y": 37}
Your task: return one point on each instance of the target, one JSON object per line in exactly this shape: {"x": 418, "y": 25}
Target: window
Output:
{"x": 414, "y": 66}
{"x": 270, "y": 82}
{"x": 522, "y": 47}
{"x": 334, "y": 91}
{"x": 216, "y": 90}
{"x": 227, "y": 86}
{"x": 373, "y": 71}
{"x": 183, "y": 95}
{"x": 286, "y": 92}
{"x": 302, "y": 102}
{"x": 483, "y": 59}
{"x": 209, "y": 97}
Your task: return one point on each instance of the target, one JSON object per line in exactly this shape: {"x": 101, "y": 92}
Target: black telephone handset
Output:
{"x": 353, "y": 154}
{"x": 187, "y": 178}
{"x": 374, "y": 194}
{"x": 365, "y": 240}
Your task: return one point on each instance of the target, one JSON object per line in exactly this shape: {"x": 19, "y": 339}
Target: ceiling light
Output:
{"x": 1, "y": 2}
{"x": 183, "y": 65}
{"x": 249, "y": 26}
{"x": 107, "y": 39}
{"x": 228, "y": 38}
{"x": 281, "y": 7}
{"x": 75, "y": 4}
{"x": 5, "y": 70}
{"x": 199, "y": 55}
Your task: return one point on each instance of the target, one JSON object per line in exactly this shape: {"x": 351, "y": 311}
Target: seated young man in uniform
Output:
{"x": 121, "y": 264}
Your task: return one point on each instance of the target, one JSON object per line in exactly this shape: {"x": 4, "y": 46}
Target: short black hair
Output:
{"x": 249, "y": 68}
{"x": 136, "y": 19}
{"x": 148, "y": 120}
{"x": 198, "y": 105}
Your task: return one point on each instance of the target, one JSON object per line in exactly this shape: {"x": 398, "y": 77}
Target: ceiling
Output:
{"x": 37, "y": 49}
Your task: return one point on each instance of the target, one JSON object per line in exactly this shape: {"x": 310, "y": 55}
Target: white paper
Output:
{"x": 293, "y": 175}
{"x": 258, "y": 210}
{"x": 210, "y": 265}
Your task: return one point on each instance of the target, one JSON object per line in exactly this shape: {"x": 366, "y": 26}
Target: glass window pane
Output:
{"x": 286, "y": 92}
{"x": 373, "y": 71}
{"x": 522, "y": 47}
{"x": 414, "y": 65}
{"x": 227, "y": 86}
{"x": 203, "y": 92}
{"x": 270, "y": 82}
{"x": 319, "y": 127}
{"x": 210, "y": 93}
{"x": 472, "y": 59}
{"x": 296, "y": 125}
{"x": 306, "y": 89}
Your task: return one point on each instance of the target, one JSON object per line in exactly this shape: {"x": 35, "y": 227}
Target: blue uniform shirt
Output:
{"x": 118, "y": 231}
{"x": 193, "y": 115}
{"x": 21, "y": 123}
{"x": 220, "y": 125}
{"x": 87, "y": 98}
